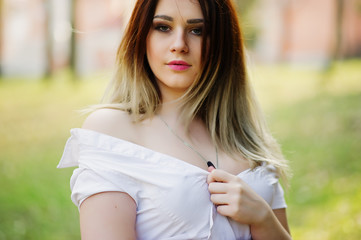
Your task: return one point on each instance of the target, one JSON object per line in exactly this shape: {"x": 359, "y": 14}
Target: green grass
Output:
{"x": 322, "y": 138}
{"x": 316, "y": 116}
{"x": 35, "y": 119}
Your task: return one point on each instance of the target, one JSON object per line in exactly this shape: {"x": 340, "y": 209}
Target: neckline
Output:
{"x": 190, "y": 146}
{"x": 143, "y": 148}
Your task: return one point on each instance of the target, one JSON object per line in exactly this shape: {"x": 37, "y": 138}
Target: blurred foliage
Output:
{"x": 358, "y": 5}
{"x": 316, "y": 122}
{"x": 249, "y": 28}
{"x": 35, "y": 121}
{"x": 245, "y": 5}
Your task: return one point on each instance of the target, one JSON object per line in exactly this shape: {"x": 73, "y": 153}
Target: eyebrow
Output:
{"x": 190, "y": 21}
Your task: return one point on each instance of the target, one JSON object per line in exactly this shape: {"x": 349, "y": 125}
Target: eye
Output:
{"x": 197, "y": 31}
{"x": 162, "y": 28}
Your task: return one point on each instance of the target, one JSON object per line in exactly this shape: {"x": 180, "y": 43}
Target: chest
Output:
{"x": 196, "y": 148}
{"x": 180, "y": 205}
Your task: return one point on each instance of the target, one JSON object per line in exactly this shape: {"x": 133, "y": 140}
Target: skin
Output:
{"x": 176, "y": 34}
{"x": 109, "y": 215}
{"x": 112, "y": 215}
{"x": 235, "y": 199}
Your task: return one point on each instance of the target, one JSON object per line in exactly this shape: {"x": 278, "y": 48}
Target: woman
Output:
{"x": 178, "y": 107}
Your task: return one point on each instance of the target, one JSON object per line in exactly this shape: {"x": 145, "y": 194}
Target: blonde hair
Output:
{"x": 221, "y": 95}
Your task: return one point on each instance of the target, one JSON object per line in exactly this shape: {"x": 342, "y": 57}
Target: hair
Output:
{"x": 221, "y": 95}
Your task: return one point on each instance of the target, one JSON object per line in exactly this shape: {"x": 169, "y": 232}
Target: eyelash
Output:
{"x": 164, "y": 28}
{"x": 200, "y": 31}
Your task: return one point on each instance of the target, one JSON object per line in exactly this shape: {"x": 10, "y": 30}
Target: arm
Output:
{"x": 274, "y": 226}
{"x": 282, "y": 218}
{"x": 235, "y": 199}
{"x": 108, "y": 216}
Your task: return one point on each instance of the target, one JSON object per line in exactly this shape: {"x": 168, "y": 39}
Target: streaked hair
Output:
{"x": 221, "y": 95}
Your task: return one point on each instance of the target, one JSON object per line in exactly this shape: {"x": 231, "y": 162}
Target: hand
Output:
{"x": 235, "y": 199}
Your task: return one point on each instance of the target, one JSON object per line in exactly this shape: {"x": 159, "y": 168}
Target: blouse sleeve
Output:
{"x": 278, "y": 197}
{"x": 86, "y": 182}
{"x": 96, "y": 171}
{"x": 264, "y": 181}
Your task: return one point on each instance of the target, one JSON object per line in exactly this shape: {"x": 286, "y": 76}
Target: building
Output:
{"x": 36, "y": 34}
{"x": 308, "y": 31}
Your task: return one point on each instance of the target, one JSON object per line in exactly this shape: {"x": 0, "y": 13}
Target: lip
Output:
{"x": 178, "y": 65}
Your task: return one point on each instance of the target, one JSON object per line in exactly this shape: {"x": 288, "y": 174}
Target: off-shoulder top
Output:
{"x": 171, "y": 195}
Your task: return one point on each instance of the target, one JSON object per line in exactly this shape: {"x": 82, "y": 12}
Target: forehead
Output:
{"x": 184, "y": 8}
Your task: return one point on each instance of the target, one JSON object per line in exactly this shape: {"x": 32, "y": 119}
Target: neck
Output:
{"x": 170, "y": 110}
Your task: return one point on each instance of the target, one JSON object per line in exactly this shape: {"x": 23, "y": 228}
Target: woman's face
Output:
{"x": 174, "y": 45}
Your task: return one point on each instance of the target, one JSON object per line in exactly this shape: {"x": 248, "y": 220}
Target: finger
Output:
{"x": 224, "y": 210}
{"x": 218, "y": 175}
{"x": 219, "y": 199}
{"x": 210, "y": 164}
{"x": 211, "y": 168}
{"x": 217, "y": 187}
{"x": 210, "y": 178}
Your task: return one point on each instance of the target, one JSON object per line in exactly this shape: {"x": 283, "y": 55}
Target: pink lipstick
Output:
{"x": 179, "y": 65}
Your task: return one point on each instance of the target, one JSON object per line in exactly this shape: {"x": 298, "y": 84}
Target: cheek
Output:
{"x": 153, "y": 51}
{"x": 197, "y": 49}
{"x": 198, "y": 55}
{"x": 150, "y": 52}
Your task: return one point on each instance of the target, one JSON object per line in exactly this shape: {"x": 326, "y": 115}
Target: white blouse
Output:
{"x": 171, "y": 195}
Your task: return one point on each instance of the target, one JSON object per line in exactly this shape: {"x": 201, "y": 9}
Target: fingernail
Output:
{"x": 210, "y": 164}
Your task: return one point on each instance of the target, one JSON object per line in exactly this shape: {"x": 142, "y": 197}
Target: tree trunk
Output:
{"x": 73, "y": 45}
{"x": 49, "y": 40}
{"x": 340, "y": 5}
{"x": 2, "y": 20}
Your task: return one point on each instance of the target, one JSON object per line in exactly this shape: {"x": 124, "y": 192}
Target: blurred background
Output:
{"x": 304, "y": 58}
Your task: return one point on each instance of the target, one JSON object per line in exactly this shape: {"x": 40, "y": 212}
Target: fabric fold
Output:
{"x": 172, "y": 196}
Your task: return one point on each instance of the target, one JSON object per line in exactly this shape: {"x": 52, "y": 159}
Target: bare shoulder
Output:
{"x": 113, "y": 122}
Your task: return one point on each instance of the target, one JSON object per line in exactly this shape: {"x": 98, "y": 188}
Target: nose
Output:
{"x": 179, "y": 43}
